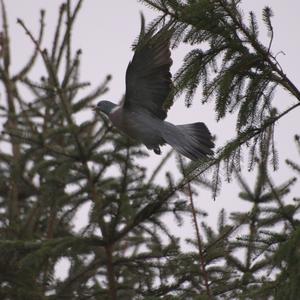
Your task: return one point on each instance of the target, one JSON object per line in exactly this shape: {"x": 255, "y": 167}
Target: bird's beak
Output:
{"x": 94, "y": 108}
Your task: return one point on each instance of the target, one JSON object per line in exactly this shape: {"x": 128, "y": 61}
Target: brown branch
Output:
{"x": 202, "y": 262}
{"x": 199, "y": 243}
{"x": 5, "y": 42}
{"x": 110, "y": 273}
{"x": 33, "y": 58}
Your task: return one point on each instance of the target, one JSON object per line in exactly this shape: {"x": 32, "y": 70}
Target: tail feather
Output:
{"x": 191, "y": 140}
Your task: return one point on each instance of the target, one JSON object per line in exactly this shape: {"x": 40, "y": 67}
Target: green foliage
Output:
{"x": 233, "y": 68}
{"x": 255, "y": 256}
{"x": 52, "y": 168}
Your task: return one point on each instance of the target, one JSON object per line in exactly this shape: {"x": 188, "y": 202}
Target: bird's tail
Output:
{"x": 191, "y": 140}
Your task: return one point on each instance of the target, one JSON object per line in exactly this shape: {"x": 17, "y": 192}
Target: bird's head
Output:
{"x": 105, "y": 107}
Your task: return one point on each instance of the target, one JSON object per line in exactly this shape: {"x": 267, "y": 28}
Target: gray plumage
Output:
{"x": 142, "y": 113}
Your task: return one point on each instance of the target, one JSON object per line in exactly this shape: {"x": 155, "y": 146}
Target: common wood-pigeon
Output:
{"x": 142, "y": 113}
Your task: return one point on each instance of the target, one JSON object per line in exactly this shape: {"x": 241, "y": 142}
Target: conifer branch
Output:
{"x": 110, "y": 273}
{"x": 5, "y": 44}
{"x": 70, "y": 21}
{"x": 261, "y": 50}
{"x": 59, "y": 90}
{"x": 287, "y": 216}
{"x": 158, "y": 168}
{"x": 22, "y": 73}
{"x": 202, "y": 263}
{"x": 12, "y": 122}
{"x": 122, "y": 251}
{"x": 57, "y": 32}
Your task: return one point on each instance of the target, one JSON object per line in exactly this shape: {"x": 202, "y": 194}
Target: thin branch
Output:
{"x": 33, "y": 58}
{"x": 57, "y": 31}
{"x": 161, "y": 164}
{"x": 110, "y": 273}
{"x": 66, "y": 35}
{"x": 202, "y": 261}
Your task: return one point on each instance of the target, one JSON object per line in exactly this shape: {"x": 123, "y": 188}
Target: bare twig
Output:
{"x": 32, "y": 59}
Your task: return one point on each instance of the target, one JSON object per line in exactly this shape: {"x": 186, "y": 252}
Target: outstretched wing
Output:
{"x": 148, "y": 77}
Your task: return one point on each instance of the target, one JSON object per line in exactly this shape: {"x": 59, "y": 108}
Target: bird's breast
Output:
{"x": 137, "y": 125}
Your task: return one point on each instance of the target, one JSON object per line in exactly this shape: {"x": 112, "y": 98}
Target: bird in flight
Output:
{"x": 142, "y": 113}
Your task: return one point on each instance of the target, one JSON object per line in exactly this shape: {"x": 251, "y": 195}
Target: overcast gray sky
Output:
{"x": 105, "y": 31}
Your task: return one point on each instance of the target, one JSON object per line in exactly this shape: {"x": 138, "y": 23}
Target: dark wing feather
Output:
{"x": 148, "y": 77}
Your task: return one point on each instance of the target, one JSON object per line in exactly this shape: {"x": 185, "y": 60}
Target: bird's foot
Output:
{"x": 157, "y": 151}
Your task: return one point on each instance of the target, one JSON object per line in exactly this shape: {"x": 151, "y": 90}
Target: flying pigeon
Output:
{"x": 142, "y": 113}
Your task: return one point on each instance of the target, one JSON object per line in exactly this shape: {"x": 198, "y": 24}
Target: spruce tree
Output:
{"x": 52, "y": 164}
{"x": 233, "y": 68}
